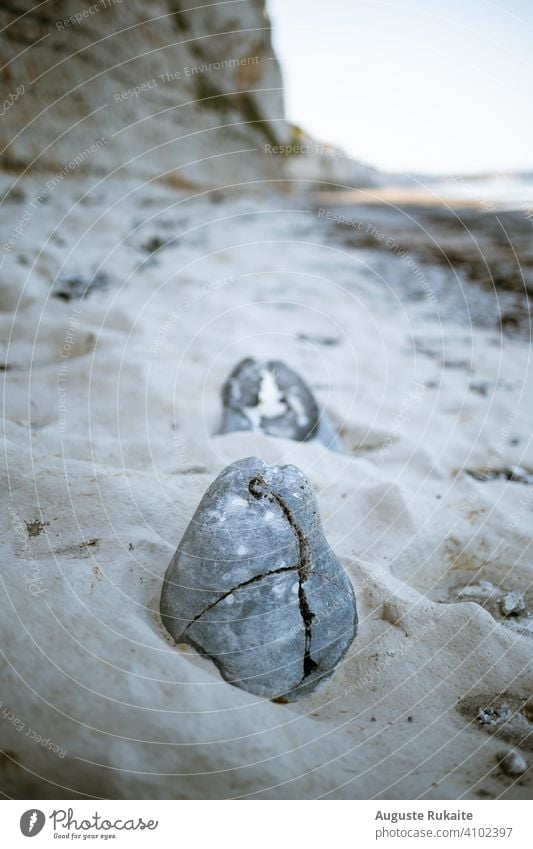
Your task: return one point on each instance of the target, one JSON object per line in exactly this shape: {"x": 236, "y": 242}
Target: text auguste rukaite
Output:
{"x": 401, "y": 816}
{"x": 62, "y": 819}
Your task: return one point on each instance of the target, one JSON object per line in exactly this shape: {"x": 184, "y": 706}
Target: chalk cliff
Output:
{"x": 192, "y": 95}
{"x": 188, "y": 93}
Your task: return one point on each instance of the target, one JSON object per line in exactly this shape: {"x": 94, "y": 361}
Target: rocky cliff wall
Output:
{"x": 146, "y": 87}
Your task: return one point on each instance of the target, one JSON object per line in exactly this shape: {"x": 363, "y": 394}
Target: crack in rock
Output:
{"x": 259, "y": 489}
{"x": 247, "y": 583}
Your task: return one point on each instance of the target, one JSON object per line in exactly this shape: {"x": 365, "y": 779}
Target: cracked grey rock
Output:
{"x": 269, "y": 397}
{"x": 255, "y": 586}
{"x": 494, "y": 715}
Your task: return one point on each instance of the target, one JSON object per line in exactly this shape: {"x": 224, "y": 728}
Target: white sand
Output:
{"x": 113, "y": 406}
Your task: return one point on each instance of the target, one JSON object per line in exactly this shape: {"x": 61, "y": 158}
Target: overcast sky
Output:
{"x": 420, "y": 85}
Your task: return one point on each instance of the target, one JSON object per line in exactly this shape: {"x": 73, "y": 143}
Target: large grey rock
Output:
{"x": 158, "y": 87}
{"x": 269, "y": 397}
{"x": 255, "y": 586}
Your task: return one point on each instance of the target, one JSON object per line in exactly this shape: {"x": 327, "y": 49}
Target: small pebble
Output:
{"x": 512, "y": 604}
{"x": 512, "y": 763}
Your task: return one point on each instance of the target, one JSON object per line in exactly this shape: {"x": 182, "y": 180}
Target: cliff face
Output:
{"x": 143, "y": 88}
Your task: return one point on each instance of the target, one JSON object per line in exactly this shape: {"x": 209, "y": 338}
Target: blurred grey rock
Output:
{"x": 269, "y": 397}
{"x": 255, "y": 586}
